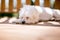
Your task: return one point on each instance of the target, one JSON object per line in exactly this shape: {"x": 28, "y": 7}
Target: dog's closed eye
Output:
{"x": 27, "y": 17}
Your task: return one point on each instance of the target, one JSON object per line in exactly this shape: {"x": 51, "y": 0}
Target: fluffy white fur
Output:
{"x": 45, "y": 13}
{"x": 57, "y": 14}
{"x": 32, "y": 14}
{"x": 29, "y": 14}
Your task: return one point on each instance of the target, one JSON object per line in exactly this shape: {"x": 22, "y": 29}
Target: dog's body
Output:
{"x": 56, "y": 14}
{"x": 32, "y": 14}
{"x": 45, "y": 13}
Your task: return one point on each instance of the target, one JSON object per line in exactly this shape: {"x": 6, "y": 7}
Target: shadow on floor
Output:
{"x": 53, "y": 24}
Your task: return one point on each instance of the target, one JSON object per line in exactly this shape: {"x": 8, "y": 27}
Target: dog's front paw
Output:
{"x": 12, "y": 20}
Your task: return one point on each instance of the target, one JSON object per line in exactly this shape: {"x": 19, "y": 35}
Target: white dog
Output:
{"x": 28, "y": 14}
{"x": 32, "y": 14}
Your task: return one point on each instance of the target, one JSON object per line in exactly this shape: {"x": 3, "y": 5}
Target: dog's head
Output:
{"x": 28, "y": 14}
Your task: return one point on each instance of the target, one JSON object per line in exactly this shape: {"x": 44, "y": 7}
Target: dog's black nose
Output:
{"x": 23, "y": 22}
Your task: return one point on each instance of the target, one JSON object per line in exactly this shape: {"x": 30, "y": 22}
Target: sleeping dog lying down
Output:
{"x": 33, "y": 14}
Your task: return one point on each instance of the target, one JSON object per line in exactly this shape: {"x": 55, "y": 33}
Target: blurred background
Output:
{"x": 10, "y": 8}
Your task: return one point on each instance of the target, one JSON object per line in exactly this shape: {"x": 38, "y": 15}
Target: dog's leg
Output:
{"x": 14, "y": 21}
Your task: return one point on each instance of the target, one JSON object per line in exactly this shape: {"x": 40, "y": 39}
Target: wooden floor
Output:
{"x": 37, "y": 31}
